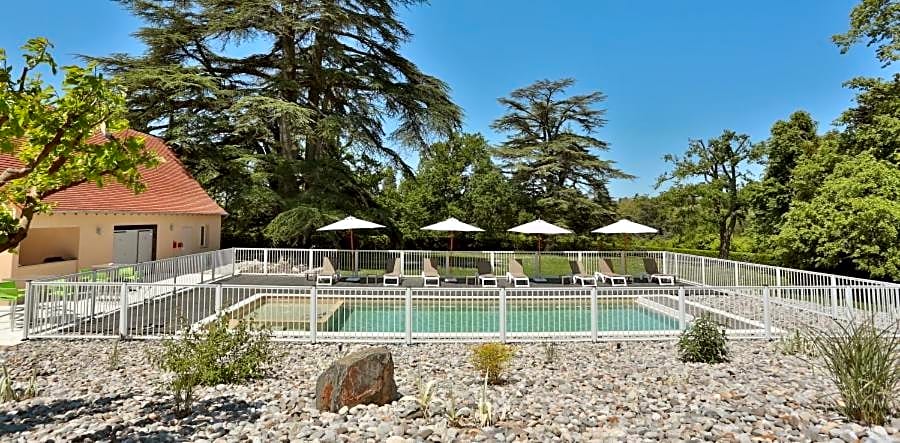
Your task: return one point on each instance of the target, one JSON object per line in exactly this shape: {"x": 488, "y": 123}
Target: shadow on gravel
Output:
{"x": 56, "y": 412}
{"x": 206, "y": 415}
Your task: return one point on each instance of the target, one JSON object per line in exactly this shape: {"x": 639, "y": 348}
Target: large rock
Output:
{"x": 362, "y": 377}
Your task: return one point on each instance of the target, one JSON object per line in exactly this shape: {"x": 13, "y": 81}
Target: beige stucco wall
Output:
{"x": 97, "y": 248}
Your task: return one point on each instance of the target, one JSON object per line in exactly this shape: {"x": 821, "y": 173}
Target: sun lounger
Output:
{"x": 486, "y": 277}
{"x": 430, "y": 275}
{"x": 392, "y": 273}
{"x": 327, "y": 276}
{"x": 606, "y": 273}
{"x": 653, "y": 270}
{"x": 515, "y": 274}
{"x": 579, "y": 276}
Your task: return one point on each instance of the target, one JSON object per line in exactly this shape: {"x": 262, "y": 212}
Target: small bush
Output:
{"x": 795, "y": 343}
{"x": 485, "y": 411}
{"x": 703, "y": 342}
{"x": 864, "y": 363}
{"x": 491, "y": 359}
{"x": 218, "y": 354}
{"x": 7, "y": 392}
{"x": 113, "y": 361}
{"x": 549, "y": 353}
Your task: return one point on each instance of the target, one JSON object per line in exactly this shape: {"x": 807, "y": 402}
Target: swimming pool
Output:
{"x": 459, "y": 316}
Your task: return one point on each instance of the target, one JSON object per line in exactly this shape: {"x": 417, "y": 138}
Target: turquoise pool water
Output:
{"x": 521, "y": 317}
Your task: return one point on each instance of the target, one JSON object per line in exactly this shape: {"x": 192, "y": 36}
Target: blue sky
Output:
{"x": 671, "y": 70}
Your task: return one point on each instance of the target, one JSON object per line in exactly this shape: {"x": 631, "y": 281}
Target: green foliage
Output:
{"x": 549, "y": 153}
{"x": 712, "y": 174}
{"x": 47, "y": 131}
{"x": 114, "y": 362}
{"x": 795, "y": 343}
{"x": 876, "y": 23}
{"x": 219, "y": 353}
{"x": 485, "y": 410}
{"x": 549, "y": 353}
{"x": 7, "y": 391}
{"x": 425, "y": 395}
{"x": 789, "y": 140}
{"x": 453, "y": 416}
{"x": 851, "y": 224}
{"x": 294, "y": 123}
{"x": 492, "y": 359}
{"x": 703, "y": 342}
{"x": 863, "y": 361}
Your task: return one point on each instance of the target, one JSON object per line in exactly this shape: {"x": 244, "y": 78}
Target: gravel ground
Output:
{"x": 586, "y": 392}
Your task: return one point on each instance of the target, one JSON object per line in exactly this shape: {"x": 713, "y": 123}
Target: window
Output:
{"x": 203, "y": 234}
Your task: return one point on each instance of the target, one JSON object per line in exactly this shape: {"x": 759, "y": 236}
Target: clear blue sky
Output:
{"x": 672, "y": 70}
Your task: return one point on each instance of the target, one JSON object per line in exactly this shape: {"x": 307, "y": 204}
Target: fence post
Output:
{"x": 215, "y": 255}
{"x": 682, "y": 317}
{"x": 675, "y": 262}
{"x": 265, "y": 260}
{"x": 703, "y": 271}
{"x": 848, "y": 301}
{"x": 313, "y": 314}
{"x": 503, "y": 315}
{"x": 665, "y": 262}
{"x": 234, "y": 260}
{"x": 493, "y": 260}
{"x": 594, "y": 314}
{"x": 834, "y": 298}
{"x": 26, "y": 322}
{"x": 778, "y": 282}
{"x": 123, "y": 311}
{"x": 403, "y": 263}
{"x": 737, "y": 281}
{"x": 767, "y": 320}
{"x": 218, "y": 299}
{"x": 409, "y": 316}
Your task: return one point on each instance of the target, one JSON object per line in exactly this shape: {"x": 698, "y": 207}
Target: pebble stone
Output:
{"x": 638, "y": 391}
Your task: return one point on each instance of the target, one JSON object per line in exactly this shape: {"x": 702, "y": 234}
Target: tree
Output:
{"x": 551, "y": 153}
{"x": 47, "y": 134}
{"x": 714, "y": 172}
{"x": 788, "y": 141}
{"x": 296, "y": 115}
{"x": 877, "y": 22}
{"x": 852, "y": 224}
{"x": 455, "y": 178}
{"x": 873, "y": 125}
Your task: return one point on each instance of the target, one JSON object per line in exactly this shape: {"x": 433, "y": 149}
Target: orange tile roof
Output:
{"x": 170, "y": 189}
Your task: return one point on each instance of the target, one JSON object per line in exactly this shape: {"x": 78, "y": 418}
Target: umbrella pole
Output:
{"x": 624, "y": 260}
{"x": 537, "y": 264}
{"x": 449, "y": 252}
{"x": 353, "y": 253}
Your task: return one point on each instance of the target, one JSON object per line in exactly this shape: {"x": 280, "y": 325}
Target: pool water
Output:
{"x": 448, "y": 317}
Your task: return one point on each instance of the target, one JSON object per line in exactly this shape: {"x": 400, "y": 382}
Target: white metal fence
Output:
{"x": 376, "y": 314}
{"x": 154, "y": 299}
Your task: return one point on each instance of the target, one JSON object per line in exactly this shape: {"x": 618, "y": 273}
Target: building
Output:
{"x": 94, "y": 226}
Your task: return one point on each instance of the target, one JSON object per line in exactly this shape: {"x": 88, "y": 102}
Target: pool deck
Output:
{"x": 413, "y": 282}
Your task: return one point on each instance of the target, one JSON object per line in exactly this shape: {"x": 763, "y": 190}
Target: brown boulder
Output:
{"x": 362, "y": 377}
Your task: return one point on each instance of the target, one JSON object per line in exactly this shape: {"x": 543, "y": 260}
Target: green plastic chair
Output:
{"x": 9, "y": 291}
{"x": 127, "y": 275}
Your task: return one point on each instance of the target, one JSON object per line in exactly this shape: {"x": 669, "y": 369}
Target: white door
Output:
{"x": 144, "y": 245}
{"x": 125, "y": 246}
{"x": 187, "y": 240}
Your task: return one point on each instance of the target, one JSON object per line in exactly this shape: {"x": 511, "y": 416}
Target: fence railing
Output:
{"x": 373, "y": 314}
{"x": 692, "y": 269}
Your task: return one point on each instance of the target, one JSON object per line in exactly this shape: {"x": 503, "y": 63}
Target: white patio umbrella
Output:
{"x": 451, "y": 226}
{"x": 349, "y": 224}
{"x": 625, "y": 227}
{"x": 540, "y": 228}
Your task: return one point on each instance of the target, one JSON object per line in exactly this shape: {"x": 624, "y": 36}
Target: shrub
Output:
{"x": 703, "y": 342}
{"x": 218, "y": 354}
{"x": 491, "y": 359}
{"x": 795, "y": 343}
{"x": 864, "y": 363}
{"x": 549, "y": 353}
{"x": 7, "y": 392}
{"x": 425, "y": 396}
{"x": 113, "y": 361}
{"x": 485, "y": 411}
